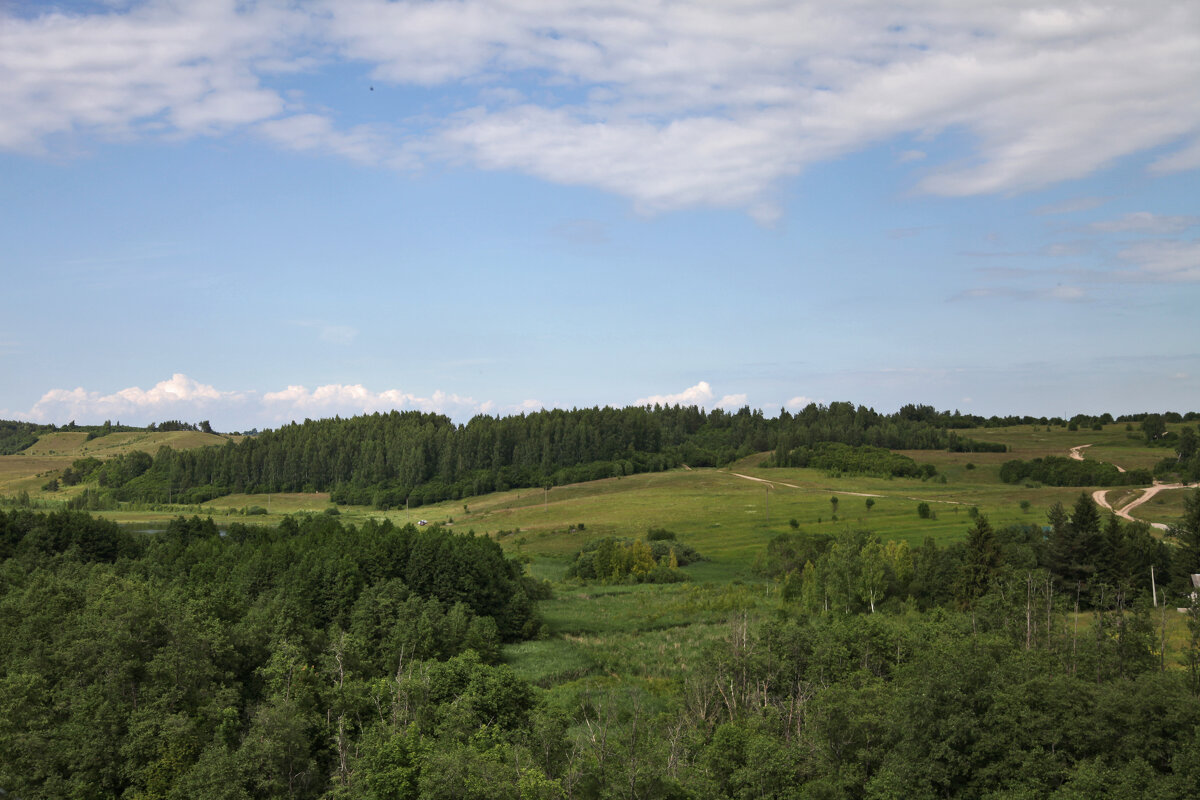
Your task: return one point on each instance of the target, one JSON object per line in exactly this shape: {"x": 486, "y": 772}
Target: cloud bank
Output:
{"x": 186, "y": 399}
{"x": 669, "y": 104}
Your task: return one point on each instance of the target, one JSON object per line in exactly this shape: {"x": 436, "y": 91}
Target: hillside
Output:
{"x": 55, "y": 451}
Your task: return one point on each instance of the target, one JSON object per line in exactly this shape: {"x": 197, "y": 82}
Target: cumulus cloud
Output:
{"x": 732, "y": 401}
{"x": 332, "y": 399}
{"x": 177, "y": 398}
{"x": 798, "y": 402}
{"x": 184, "y": 398}
{"x": 672, "y": 104}
{"x": 699, "y": 395}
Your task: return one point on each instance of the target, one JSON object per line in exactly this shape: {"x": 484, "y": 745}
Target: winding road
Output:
{"x": 1100, "y": 495}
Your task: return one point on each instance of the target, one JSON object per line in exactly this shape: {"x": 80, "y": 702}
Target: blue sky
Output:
{"x": 265, "y": 211}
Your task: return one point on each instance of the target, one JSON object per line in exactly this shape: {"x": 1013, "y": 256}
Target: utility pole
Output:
{"x": 1153, "y": 588}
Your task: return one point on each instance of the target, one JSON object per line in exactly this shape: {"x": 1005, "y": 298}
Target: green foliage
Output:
{"x": 1059, "y": 471}
{"x": 613, "y": 560}
{"x": 17, "y": 436}
{"x": 852, "y": 460}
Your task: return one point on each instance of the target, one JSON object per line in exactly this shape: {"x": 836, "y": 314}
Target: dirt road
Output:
{"x": 1123, "y": 511}
{"x": 840, "y": 491}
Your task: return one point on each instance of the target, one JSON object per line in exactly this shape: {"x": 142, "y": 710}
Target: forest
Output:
{"x": 331, "y": 653}
{"x": 315, "y": 659}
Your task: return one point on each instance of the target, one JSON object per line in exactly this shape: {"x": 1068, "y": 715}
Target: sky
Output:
{"x": 258, "y": 212}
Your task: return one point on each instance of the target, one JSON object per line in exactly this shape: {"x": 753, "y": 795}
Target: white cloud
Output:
{"x": 185, "y": 399}
{"x": 297, "y": 402}
{"x": 732, "y": 401}
{"x": 699, "y": 395}
{"x": 313, "y": 132}
{"x": 177, "y": 398}
{"x": 672, "y": 104}
{"x": 798, "y": 402}
{"x": 1146, "y": 222}
{"x": 176, "y": 68}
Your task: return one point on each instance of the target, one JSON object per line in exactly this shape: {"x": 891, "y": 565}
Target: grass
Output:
{"x": 1165, "y": 507}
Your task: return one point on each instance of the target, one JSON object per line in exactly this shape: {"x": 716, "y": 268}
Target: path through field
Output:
{"x": 1123, "y": 511}
{"x": 839, "y": 491}
{"x": 1077, "y": 454}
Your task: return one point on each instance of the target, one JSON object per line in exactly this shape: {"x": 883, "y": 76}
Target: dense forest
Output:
{"x": 319, "y": 660}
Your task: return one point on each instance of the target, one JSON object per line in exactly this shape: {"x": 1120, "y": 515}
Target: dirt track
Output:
{"x": 840, "y": 491}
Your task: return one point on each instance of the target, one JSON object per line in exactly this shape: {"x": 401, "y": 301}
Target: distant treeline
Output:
{"x": 411, "y": 457}
{"x": 389, "y": 460}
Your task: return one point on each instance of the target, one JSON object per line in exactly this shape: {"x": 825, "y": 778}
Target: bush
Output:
{"x": 657, "y": 535}
{"x": 256, "y": 511}
{"x": 924, "y": 512}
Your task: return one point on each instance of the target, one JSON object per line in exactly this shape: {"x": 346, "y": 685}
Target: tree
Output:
{"x": 980, "y": 563}
{"x": 870, "y": 503}
{"x": 1187, "y": 532}
{"x": 1153, "y": 427}
{"x": 1075, "y": 542}
{"x": 873, "y": 574}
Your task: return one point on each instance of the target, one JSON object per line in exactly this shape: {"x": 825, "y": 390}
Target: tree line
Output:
{"x": 399, "y": 458}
